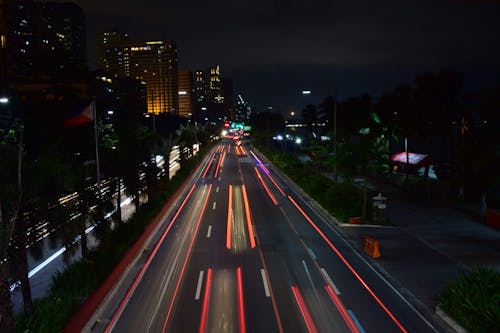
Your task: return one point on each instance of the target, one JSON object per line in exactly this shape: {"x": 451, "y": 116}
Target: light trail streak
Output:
{"x": 139, "y": 276}
{"x": 177, "y": 287}
{"x": 273, "y": 199}
{"x": 241, "y": 303}
{"x": 343, "y": 312}
{"x": 229, "y": 218}
{"x": 248, "y": 217}
{"x": 208, "y": 166}
{"x": 304, "y": 311}
{"x": 259, "y": 162}
{"x": 353, "y": 271}
{"x": 206, "y": 302}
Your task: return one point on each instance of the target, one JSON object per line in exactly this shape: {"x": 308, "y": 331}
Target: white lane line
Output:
{"x": 219, "y": 178}
{"x": 328, "y": 224}
{"x": 356, "y": 321}
{"x": 330, "y": 281}
{"x": 311, "y": 252}
{"x": 213, "y": 206}
{"x": 198, "y": 287}
{"x": 209, "y": 232}
{"x": 217, "y": 189}
{"x": 264, "y": 280}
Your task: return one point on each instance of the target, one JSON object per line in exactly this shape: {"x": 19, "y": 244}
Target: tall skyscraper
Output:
{"x": 63, "y": 26}
{"x": 208, "y": 86}
{"x": 3, "y": 51}
{"x": 155, "y": 62}
{"x": 44, "y": 38}
{"x": 185, "y": 93}
{"x": 110, "y": 49}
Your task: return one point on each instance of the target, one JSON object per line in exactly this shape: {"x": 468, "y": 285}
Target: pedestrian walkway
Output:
{"x": 427, "y": 245}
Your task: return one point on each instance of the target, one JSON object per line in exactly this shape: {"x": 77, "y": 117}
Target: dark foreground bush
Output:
{"x": 473, "y": 300}
{"x": 71, "y": 287}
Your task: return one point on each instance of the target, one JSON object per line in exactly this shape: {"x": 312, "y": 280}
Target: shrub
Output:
{"x": 473, "y": 300}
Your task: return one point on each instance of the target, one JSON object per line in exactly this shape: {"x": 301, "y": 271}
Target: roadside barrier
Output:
{"x": 355, "y": 220}
{"x": 371, "y": 247}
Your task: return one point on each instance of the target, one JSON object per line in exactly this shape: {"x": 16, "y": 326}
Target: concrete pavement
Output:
{"x": 426, "y": 246}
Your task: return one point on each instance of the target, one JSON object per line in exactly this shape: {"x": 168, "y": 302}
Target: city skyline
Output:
{"x": 321, "y": 45}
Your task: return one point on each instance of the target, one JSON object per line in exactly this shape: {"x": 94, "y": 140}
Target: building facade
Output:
{"x": 151, "y": 62}
{"x": 184, "y": 78}
{"x": 155, "y": 62}
{"x": 43, "y": 39}
{"x": 110, "y": 52}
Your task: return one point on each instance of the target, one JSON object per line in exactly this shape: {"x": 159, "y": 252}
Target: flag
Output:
{"x": 83, "y": 116}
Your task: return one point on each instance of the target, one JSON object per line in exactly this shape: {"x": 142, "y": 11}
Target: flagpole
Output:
{"x": 96, "y": 148}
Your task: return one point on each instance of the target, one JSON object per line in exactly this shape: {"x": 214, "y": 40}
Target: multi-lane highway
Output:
{"x": 244, "y": 251}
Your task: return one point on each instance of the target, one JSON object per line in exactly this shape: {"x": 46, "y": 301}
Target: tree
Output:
{"x": 310, "y": 115}
{"x": 10, "y": 199}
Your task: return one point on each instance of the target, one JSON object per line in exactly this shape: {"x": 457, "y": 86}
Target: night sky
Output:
{"x": 275, "y": 49}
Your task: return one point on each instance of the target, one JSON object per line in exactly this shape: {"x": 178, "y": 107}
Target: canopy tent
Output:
{"x": 414, "y": 160}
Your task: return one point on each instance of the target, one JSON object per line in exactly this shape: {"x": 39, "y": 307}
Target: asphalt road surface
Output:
{"x": 243, "y": 251}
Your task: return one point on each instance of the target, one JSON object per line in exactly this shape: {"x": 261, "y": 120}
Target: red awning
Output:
{"x": 416, "y": 160}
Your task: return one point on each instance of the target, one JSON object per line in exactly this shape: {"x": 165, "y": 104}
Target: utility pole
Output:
{"x": 335, "y": 137}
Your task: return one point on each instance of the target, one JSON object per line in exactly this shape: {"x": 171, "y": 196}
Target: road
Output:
{"x": 244, "y": 251}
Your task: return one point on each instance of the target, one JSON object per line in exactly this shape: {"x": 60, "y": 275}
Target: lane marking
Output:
{"x": 349, "y": 266}
{"x": 327, "y": 223}
{"x": 209, "y": 232}
{"x": 214, "y": 205}
{"x": 139, "y": 276}
{"x": 356, "y": 321}
{"x": 264, "y": 280}
{"x": 217, "y": 189}
{"x": 188, "y": 255}
{"x": 330, "y": 281}
{"x": 311, "y": 252}
{"x": 198, "y": 287}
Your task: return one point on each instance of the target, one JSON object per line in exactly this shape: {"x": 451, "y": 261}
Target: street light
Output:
{"x": 306, "y": 92}
{"x": 4, "y": 100}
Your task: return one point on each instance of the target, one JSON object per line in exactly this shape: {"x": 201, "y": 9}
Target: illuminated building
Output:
{"x": 110, "y": 50}
{"x": 208, "y": 86}
{"x": 152, "y": 62}
{"x": 155, "y": 63}
{"x": 185, "y": 93}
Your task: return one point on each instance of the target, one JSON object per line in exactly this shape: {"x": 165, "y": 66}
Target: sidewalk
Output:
{"x": 427, "y": 245}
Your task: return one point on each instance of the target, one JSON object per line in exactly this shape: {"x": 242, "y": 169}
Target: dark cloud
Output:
{"x": 367, "y": 43}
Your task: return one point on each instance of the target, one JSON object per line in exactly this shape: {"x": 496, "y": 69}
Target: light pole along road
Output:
{"x": 243, "y": 251}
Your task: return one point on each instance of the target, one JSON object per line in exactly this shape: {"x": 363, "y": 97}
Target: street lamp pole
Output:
{"x": 335, "y": 136}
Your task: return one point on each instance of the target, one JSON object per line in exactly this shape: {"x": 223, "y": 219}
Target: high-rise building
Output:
{"x": 185, "y": 93}
{"x": 208, "y": 86}
{"x": 3, "y": 51}
{"x": 110, "y": 52}
{"x": 43, "y": 38}
{"x": 155, "y": 62}
{"x": 63, "y": 30}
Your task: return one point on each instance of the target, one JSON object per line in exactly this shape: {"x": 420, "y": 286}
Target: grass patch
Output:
{"x": 473, "y": 300}
{"x": 71, "y": 287}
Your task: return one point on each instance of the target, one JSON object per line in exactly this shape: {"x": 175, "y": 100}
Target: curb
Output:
{"x": 450, "y": 321}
